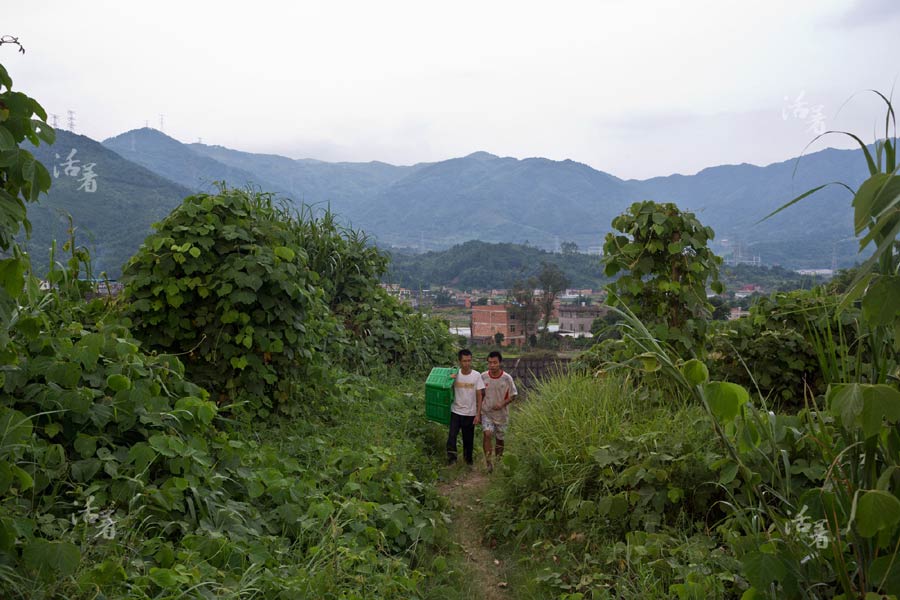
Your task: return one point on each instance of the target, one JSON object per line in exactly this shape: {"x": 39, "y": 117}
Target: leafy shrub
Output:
{"x": 610, "y": 493}
{"x": 665, "y": 263}
{"x": 663, "y": 564}
{"x": 259, "y": 299}
{"x": 224, "y": 283}
{"x": 89, "y": 420}
{"x": 779, "y": 348}
{"x": 587, "y": 453}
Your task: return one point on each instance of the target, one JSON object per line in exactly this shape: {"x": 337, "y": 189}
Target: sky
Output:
{"x": 635, "y": 89}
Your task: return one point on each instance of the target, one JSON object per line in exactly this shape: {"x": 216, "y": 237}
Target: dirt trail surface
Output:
{"x": 465, "y": 493}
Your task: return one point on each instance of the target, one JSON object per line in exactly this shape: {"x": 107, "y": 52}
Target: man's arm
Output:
{"x": 512, "y": 393}
{"x": 479, "y": 400}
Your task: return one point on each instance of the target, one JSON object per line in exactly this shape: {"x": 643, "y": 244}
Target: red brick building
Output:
{"x": 486, "y": 321}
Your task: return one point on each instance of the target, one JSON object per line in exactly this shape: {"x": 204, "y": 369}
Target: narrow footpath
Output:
{"x": 465, "y": 493}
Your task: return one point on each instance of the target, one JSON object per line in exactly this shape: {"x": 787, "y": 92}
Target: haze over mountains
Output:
{"x": 143, "y": 174}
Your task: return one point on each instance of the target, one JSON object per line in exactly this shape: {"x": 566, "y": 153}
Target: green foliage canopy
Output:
{"x": 224, "y": 281}
{"x": 665, "y": 264}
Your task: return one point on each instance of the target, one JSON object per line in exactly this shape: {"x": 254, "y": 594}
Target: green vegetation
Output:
{"x": 265, "y": 304}
{"x": 120, "y": 476}
{"x": 666, "y": 265}
{"x": 551, "y": 282}
{"x": 481, "y": 265}
{"x": 769, "y": 278}
{"x": 610, "y": 494}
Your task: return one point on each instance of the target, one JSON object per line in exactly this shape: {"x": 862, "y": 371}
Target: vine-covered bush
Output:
{"x": 662, "y": 257}
{"x": 266, "y": 305}
{"x": 223, "y": 283}
{"x": 777, "y": 349}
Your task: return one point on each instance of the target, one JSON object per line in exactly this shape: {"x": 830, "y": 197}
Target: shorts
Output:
{"x": 498, "y": 429}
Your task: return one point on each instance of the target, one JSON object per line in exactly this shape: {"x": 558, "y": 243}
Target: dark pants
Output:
{"x": 467, "y": 425}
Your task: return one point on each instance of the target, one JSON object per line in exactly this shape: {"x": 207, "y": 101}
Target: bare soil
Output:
{"x": 465, "y": 494}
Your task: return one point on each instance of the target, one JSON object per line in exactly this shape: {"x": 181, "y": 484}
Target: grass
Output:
{"x": 574, "y": 447}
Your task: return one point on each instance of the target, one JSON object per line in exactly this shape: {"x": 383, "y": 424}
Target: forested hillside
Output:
{"x": 485, "y": 266}
{"x": 111, "y": 200}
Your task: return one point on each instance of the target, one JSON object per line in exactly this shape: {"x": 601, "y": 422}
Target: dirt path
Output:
{"x": 465, "y": 493}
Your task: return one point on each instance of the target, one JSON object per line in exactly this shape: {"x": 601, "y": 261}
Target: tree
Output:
{"x": 523, "y": 306}
{"x": 22, "y": 180}
{"x": 606, "y": 326}
{"x": 721, "y": 309}
{"x": 551, "y": 281}
{"x": 568, "y": 248}
{"x": 662, "y": 255}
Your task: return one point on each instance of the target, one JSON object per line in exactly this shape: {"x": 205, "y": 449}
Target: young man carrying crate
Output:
{"x": 465, "y": 412}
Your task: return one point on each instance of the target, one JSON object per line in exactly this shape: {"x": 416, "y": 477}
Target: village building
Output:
{"x": 748, "y": 290}
{"x": 737, "y": 312}
{"x": 578, "y": 318}
{"x": 489, "y": 320}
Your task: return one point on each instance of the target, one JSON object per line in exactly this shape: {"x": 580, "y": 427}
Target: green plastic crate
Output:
{"x": 439, "y": 395}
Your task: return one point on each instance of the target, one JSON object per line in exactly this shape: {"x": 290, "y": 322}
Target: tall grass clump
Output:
{"x": 596, "y": 473}
{"x": 588, "y": 452}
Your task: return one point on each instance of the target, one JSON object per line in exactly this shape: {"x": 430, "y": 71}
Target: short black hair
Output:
{"x": 496, "y": 354}
{"x": 463, "y": 352}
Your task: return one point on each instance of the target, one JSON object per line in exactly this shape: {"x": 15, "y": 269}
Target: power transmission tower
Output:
{"x": 71, "y": 120}
{"x": 162, "y": 122}
{"x": 54, "y": 121}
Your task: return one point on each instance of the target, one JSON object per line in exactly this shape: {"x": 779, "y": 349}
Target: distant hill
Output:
{"x": 114, "y": 219}
{"x": 484, "y": 265}
{"x": 485, "y": 197}
{"x": 346, "y": 187}
{"x": 732, "y": 198}
{"x": 177, "y": 162}
{"x": 535, "y": 200}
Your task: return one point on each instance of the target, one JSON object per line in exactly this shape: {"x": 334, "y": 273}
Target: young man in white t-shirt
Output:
{"x": 465, "y": 412}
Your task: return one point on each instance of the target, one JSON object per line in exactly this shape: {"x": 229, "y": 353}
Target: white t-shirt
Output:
{"x": 464, "y": 391}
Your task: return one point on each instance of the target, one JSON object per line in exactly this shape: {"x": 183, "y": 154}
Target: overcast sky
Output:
{"x": 636, "y": 89}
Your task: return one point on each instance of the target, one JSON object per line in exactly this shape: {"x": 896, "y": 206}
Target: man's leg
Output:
{"x": 487, "y": 425}
{"x": 451, "y": 438}
{"x": 499, "y": 435}
{"x": 486, "y": 446}
{"x": 468, "y": 435}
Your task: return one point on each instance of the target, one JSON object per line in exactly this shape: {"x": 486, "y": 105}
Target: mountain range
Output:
{"x": 142, "y": 174}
